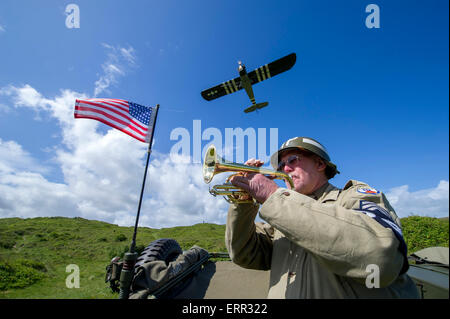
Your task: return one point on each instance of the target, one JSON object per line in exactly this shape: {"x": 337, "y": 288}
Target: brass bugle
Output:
{"x": 214, "y": 164}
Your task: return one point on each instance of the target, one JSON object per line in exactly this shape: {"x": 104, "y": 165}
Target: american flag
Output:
{"x": 131, "y": 118}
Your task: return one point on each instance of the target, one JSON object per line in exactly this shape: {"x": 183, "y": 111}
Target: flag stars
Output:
{"x": 142, "y": 113}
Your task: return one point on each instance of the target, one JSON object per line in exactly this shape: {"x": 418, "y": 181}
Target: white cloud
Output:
{"x": 28, "y": 194}
{"x": 2, "y": 29}
{"x": 179, "y": 196}
{"x": 102, "y": 174}
{"x": 129, "y": 55}
{"x": 24, "y": 96}
{"x": 117, "y": 62}
{"x": 432, "y": 202}
{"x": 13, "y": 158}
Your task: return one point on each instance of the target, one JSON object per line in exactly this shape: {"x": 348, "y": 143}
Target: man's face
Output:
{"x": 306, "y": 171}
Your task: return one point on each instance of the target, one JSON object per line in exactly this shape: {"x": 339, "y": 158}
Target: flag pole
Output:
{"x": 130, "y": 258}
{"x": 149, "y": 150}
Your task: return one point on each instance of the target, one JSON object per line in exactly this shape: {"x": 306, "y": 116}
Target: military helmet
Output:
{"x": 308, "y": 144}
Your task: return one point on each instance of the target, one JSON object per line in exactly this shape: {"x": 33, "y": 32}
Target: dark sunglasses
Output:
{"x": 291, "y": 160}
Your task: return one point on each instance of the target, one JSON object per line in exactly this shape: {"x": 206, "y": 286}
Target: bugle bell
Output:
{"x": 214, "y": 164}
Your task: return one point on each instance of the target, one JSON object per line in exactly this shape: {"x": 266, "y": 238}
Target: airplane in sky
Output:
{"x": 246, "y": 80}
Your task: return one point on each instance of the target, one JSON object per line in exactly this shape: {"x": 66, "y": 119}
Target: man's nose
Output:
{"x": 287, "y": 168}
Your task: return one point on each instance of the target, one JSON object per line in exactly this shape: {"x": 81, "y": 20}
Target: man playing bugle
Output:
{"x": 319, "y": 241}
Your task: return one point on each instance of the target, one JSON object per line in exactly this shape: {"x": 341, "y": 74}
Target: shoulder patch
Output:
{"x": 382, "y": 216}
{"x": 367, "y": 190}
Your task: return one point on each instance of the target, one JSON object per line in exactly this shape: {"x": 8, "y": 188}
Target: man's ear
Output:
{"x": 320, "y": 164}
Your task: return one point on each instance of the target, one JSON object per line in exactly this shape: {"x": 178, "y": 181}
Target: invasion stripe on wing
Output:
{"x": 257, "y": 75}
{"x": 224, "y": 85}
{"x": 267, "y": 71}
{"x": 261, "y": 69}
{"x": 234, "y": 85}
{"x": 230, "y": 87}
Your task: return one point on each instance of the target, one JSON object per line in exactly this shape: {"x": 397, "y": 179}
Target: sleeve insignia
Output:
{"x": 382, "y": 216}
{"x": 367, "y": 190}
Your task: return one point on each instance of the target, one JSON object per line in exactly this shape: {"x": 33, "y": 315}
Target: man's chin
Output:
{"x": 296, "y": 188}
{"x": 301, "y": 189}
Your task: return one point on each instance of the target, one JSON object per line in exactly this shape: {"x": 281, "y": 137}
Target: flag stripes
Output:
{"x": 128, "y": 117}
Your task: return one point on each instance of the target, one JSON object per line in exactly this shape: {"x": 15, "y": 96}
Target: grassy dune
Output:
{"x": 34, "y": 253}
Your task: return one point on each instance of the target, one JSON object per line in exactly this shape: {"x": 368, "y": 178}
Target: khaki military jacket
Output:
{"x": 320, "y": 246}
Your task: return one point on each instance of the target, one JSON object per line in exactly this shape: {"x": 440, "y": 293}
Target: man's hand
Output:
{"x": 257, "y": 185}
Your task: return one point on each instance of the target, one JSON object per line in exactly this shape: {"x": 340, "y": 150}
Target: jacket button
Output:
{"x": 286, "y": 193}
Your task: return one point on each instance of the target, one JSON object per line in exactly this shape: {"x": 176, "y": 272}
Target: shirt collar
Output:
{"x": 325, "y": 192}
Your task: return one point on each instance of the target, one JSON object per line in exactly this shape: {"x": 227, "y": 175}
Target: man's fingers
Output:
{"x": 239, "y": 181}
{"x": 254, "y": 162}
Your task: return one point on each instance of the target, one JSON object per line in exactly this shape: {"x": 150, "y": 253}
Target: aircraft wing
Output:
{"x": 260, "y": 74}
{"x": 269, "y": 70}
{"x": 222, "y": 89}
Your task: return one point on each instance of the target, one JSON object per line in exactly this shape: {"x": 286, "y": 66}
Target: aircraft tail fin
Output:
{"x": 256, "y": 106}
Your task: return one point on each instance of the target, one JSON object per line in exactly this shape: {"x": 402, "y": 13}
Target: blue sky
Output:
{"x": 376, "y": 98}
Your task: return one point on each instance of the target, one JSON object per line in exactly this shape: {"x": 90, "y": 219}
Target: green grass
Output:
{"x": 56, "y": 242}
{"x": 422, "y": 232}
{"x": 34, "y": 253}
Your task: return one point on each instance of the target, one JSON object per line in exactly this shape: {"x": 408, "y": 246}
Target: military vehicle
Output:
{"x": 164, "y": 271}
{"x": 246, "y": 80}
{"x": 429, "y": 270}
